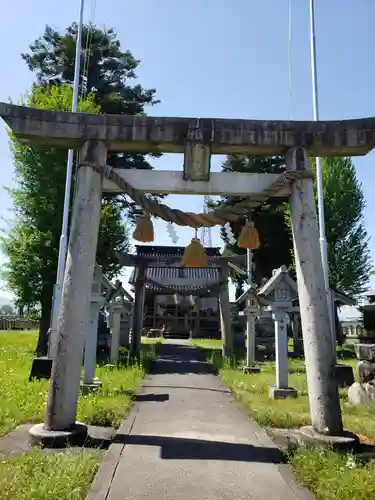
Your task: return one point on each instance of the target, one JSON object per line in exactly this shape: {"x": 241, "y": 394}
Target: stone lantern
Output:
{"x": 280, "y": 291}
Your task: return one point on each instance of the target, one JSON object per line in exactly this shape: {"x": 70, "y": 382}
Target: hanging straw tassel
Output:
{"x": 144, "y": 229}
{"x": 194, "y": 255}
{"x": 249, "y": 236}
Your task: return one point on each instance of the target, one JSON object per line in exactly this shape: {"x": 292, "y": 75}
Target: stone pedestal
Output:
{"x": 363, "y": 392}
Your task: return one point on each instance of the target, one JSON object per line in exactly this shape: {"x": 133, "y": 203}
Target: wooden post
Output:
{"x": 154, "y": 313}
{"x": 225, "y": 320}
{"x": 138, "y": 314}
{"x": 320, "y": 357}
{"x": 76, "y": 291}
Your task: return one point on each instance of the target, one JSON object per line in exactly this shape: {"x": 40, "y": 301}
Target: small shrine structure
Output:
{"x": 179, "y": 301}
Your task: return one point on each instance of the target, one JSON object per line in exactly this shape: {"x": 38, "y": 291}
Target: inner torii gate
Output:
{"x": 95, "y": 135}
{"x": 221, "y": 286}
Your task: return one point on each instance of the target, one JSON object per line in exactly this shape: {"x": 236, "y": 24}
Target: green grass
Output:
{"x": 152, "y": 340}
{"x": 327, "y": 474}
{"x": 331, "y": 476}
{"x": 22, "y": 401}
{"x": 56, "y": 476}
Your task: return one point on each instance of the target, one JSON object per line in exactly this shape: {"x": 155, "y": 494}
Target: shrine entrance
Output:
{"x": 197, "y": 139}
{"x": 177, "y": 300}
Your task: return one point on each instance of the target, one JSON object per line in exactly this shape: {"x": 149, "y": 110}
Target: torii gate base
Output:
{"x": 95, "y": 134}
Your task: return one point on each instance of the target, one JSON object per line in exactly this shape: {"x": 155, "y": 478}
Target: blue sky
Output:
{"x": 214, "y": 58}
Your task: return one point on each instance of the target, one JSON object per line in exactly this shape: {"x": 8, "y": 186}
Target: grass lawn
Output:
{"x": 23, "y": 401}
{"x": 55, "y": 476}
{"x": 327, "y": 474}
{"x": 152, "y": 340}
{"x": 40, "y": 476}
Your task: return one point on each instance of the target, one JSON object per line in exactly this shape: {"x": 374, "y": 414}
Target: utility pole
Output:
{"x": 319, "y": 177}
{"x": 68, "y": 183}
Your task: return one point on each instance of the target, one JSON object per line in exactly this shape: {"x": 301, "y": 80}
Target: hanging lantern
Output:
{"x": 194, "y": 255}
{"x": 144, "y": 229}
{"x": 249, "y": 236}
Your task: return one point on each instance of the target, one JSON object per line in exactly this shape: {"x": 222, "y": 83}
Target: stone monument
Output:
{"x": 363, "y": 392}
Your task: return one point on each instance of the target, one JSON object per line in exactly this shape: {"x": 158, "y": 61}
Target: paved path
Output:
{"x": 186, "y": 439}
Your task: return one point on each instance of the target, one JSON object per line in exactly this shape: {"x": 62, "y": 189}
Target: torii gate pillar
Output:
{"x": 320, "y": 358}
{"x": 60, "y": 423}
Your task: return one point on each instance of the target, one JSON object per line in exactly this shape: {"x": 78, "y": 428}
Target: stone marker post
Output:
{"x": 75, "y": 302}
{"x": 320, "y": 357}
{"x": 281, "y": 389}
{"x": 96, "y": 302}
{"x": 251, "y": 311}
{"x": 281, "y": 345}
{"x": 116, "y": 308}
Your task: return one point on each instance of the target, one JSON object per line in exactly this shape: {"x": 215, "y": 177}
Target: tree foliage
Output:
{"x": 347, "y": 239}
{"x": 106, "y": 70}
{"x": 107, "y": 83}
{"x": 276, "y": 243}
{"x": 32, "y": 245}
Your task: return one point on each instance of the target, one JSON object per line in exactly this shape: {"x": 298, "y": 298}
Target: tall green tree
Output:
{"x": 107, "y": 79}
{"x": 32, "y": 245}
{"x": 106, "y": 70}
{"x": 347, "y": 239}
{"x": 276, "y": 242}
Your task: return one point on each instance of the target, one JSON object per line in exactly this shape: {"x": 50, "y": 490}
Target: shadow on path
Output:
{"x": 180, "y": 359}
{"x": 172, "y": 448}
{"x": 192, "y": 388}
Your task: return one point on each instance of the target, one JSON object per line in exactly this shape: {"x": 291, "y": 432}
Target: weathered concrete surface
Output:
{"x": 137, "y": 133}
{"x": 320, "y": 357}
{"x": 18, "y": 441}
{"x": 186, "y": 439}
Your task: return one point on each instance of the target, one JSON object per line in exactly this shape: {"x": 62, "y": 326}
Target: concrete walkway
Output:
{"x": 186, "y": 439}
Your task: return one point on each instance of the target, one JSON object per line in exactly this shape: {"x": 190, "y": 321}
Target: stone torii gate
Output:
{"x": 143, "y": 263}
{"x": 95, "y": 135}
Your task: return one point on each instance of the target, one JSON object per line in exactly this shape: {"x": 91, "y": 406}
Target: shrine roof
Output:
{"x": 193, "y": 279}
{"x": 341, "y": 299}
